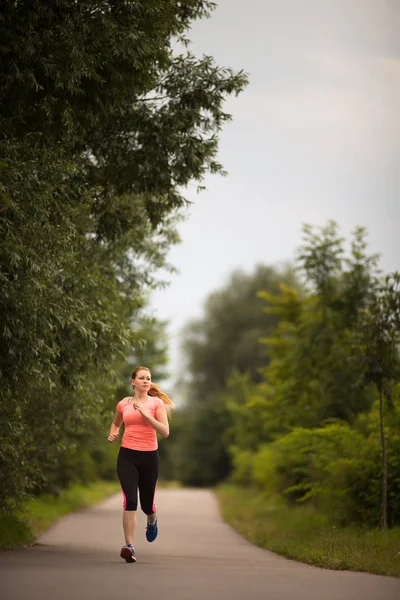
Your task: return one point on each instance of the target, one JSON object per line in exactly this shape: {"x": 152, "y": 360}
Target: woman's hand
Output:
{"x": 112, "y": 437}
{"x": 141, "y": 409}
{"x": 159, "y": 422}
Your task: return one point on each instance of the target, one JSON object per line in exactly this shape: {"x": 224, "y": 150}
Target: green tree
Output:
{"x": 99, "y": 84}
{"x": 320, "y": 258}
{"x": 226, "y": 338}
{"x": 378, "y": 348}
{"x": 333, "y": 340}
{"x": 312, "y": 375}
{"x": 225, "y": 341}
{"x": 202, "y": 455}
{"x": 103, "y": 125}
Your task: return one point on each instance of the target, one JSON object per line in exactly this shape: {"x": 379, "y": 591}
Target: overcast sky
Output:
{"x": 315, "y": 136}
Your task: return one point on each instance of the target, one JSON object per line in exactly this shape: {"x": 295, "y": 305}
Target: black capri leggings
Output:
{"x": 138, "y": 469}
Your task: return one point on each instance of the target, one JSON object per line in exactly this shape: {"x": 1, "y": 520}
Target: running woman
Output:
{"x": 144, "y": 415}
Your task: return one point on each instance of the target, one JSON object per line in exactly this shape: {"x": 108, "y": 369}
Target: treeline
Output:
{"x": 293, "y": 383}
{"x": 102, "y": 127}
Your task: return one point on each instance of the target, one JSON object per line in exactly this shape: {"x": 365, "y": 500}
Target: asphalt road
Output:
{"x": 195, "y": 557}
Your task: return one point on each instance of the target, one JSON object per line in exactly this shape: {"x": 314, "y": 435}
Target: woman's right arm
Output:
{"x": 115, "y": 425}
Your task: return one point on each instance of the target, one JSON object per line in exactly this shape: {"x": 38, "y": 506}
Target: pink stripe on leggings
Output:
{"x": 124, "y": 502}
{"x": 154, "y": 507}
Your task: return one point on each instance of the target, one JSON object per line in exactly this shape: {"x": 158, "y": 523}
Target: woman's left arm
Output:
{"x": 160, "y": 422}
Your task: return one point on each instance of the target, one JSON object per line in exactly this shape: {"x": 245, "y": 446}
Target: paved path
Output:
{"x": 196, "y": 557}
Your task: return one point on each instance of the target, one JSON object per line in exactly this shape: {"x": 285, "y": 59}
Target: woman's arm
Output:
{"x": 160, "y": 423}
{"x": 115, "y": 425}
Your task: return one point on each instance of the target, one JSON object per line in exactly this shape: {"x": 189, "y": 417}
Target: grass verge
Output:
{"x": 22, "y": 530}
{"x": 305, "y": 535}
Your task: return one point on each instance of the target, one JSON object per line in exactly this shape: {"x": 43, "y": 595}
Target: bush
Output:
{"x": 264, "y": 473}
{"x": 311, "y": 463}
{"x": 242, "y": 461}
{"x": 363, "y": 481}
{"x": 335, "y": 468}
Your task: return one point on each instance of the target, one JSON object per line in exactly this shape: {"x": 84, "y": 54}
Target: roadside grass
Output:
{"x": 40, "y": 513}
{"x": 303, "y": 534}
{"x": 14, "y": 532}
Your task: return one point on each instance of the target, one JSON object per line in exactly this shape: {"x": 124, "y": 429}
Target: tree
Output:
{"x": 309, "y": 377}
{"x": 103, "y": 125}
{"x": 339, "y": 282}
{"x": 225, "y": 341}
{"x": 99, "y": 84}
{"x": 97, "y": 151}
{"x": 311, "y": 372}
{"x": 202, "y": 456}
{"x": 320, "y": 258}
{"x": 378, "y": 351}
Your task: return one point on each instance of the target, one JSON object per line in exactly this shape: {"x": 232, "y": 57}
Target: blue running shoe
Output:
{"x": 128, "y": 553}
{"x": 151, "y": 531}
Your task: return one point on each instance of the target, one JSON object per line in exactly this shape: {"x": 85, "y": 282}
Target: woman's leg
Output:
{"x": 128, "y": 476}
{"x": 148, "y": 475}
{"x": 129, "y": 525}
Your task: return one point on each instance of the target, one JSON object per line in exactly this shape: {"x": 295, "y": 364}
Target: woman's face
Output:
{"x": 142, "y": 380}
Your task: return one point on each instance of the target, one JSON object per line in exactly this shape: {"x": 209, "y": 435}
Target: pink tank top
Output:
{"x": 139, "y": 434}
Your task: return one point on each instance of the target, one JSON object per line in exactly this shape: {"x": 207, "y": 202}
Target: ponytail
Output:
{"x": 155, "y": 391}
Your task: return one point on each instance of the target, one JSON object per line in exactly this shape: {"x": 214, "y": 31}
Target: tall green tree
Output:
{"x": 312, "y": 374}
{"x": 224, "y": 342}
{"x": 103, "y": 125}
{"x": 226, "y": 338}
{"x": 309, "y": 377}
{"x": 379, "y": 354}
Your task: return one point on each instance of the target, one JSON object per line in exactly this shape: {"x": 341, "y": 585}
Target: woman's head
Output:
{"x": 141, "y": 378}
{"x": 141, "y": 381}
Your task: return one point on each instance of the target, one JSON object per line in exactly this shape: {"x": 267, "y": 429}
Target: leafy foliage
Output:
{"x": 103, "y": 125}
{"x": 310, "y": 426}
{"x": 379, "y": 341}
{"x": 225, "y": 341}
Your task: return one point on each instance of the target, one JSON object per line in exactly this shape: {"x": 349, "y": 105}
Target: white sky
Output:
{"x": 315, "y": 136}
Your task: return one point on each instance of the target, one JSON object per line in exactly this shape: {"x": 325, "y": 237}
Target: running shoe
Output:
{"x": 128, "y": 553}
{"x": 151, "y": 531}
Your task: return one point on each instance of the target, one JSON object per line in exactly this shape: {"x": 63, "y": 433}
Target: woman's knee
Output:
{"x": 148, "y": 507}
{"x": 130, "y": 504}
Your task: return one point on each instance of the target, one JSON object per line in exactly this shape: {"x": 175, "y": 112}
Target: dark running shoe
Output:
{"x": 128, "y": 553}
{"x": 151, "y": 531}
